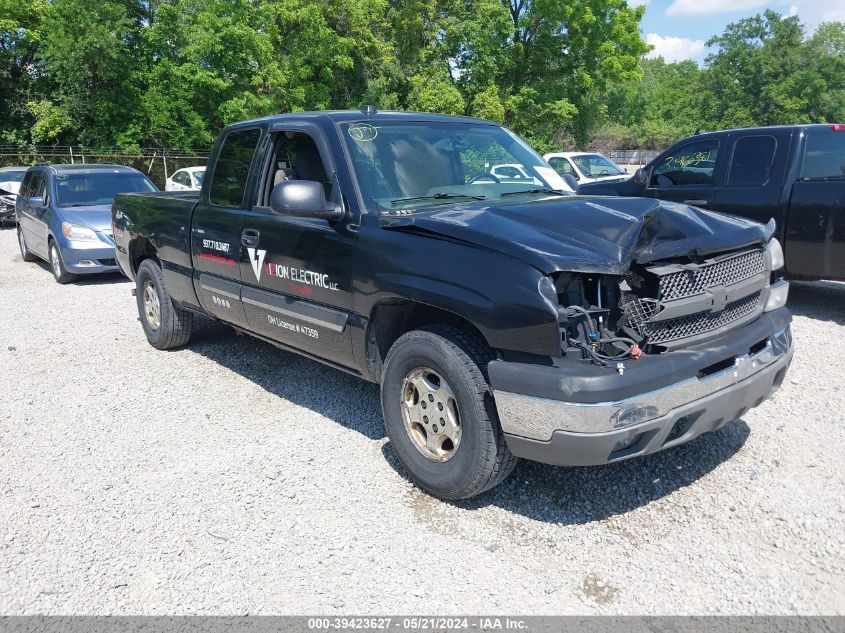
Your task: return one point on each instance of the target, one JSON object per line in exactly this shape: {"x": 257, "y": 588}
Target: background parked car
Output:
{"x": 586, "y": 167}
{"x": 64, "y": 215}
{"x": 10, "y": 183}
{"x": 187, "y": 179}
{"x": 794, "y": 174}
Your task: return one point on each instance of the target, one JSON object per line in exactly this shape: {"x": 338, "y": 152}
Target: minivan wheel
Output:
{"x": 440, "y": 415}
{"x": 26, "y": 254}
{"x": 165, "y": 324}
{"x": 57, "y": 265}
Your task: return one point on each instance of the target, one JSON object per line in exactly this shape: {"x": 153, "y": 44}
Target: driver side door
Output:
{"x": 297, "y": 271}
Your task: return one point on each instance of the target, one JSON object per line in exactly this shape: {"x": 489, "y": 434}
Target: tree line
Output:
{"x": 171, "y": 73}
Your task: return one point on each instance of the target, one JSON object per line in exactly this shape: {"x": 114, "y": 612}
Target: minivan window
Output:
{"x": 228, "y": 182}
{"x": 824, "y": 155}
{"x": 752, "y": 160}
{"x": 691, "y": 164}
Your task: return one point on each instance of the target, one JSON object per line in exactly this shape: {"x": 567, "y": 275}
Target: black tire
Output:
{"x": 57, "y": 265}
{"x": 26, "y": 254}
{"x": 173, "y": 326}
{"x": 481, "y": 459}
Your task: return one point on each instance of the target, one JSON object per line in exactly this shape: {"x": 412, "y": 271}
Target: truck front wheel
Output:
{"x": 166, "y": 325}
{"x": 440, "y": 415}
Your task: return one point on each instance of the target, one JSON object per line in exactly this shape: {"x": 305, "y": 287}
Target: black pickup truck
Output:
{"x": 794, "y": 174}
{"x": 503, "y": 318}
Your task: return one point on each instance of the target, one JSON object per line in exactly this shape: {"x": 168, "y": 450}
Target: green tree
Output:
{"x": 89, "y": 51}
{"x": 21, "y": 24}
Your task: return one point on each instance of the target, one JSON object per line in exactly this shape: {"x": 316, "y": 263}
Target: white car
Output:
{"x": 187, "y": 179}
{"x": 586, "y": 166}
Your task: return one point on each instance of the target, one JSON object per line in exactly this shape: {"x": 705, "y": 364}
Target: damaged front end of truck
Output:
{"x": 671, "y": 322}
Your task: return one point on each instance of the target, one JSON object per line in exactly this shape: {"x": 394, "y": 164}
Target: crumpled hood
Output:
{"x": 95, "y": 217}
{"x": 586, "y": 234}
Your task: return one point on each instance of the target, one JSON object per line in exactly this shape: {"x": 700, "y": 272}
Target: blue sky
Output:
{"x": 678, "y": 28}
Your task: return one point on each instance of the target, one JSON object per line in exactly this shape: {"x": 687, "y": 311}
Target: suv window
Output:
{"x": 232, "y": 170}
{"x": 824, "y": 156}
{"x": 751, "y": 163}
{"x": 26, "y": 184}
{"x": 37, "y": 186}
{"x": 691, "y": 164}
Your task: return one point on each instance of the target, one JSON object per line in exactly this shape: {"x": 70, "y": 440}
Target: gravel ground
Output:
{"x": 232, "y": 478}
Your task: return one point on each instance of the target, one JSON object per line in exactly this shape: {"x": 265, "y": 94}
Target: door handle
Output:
{"x": 250, "y": 237}
{"x": 697, "y": 203}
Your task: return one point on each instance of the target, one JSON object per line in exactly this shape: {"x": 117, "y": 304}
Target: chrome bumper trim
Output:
{"x": 538, "y": 418}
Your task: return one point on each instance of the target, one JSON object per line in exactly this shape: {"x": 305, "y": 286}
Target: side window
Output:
{"x": 752, "y": 160}
{"x": 232, "y": 170}
{"x": 26, "y": 185}
{"x": 824, "y": 156}
{"x": 295, "y": 157}
{"x": 561, "y": 165}
{"x": 691, "y": 164}
{"x": 39, "y": 187}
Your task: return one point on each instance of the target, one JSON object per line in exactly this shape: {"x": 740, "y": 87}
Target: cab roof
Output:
{"x": 350, "y": 116}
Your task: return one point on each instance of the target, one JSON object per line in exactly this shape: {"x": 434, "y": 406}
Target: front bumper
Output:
{"x": 82, "y": 259}
{"x": 596, "y": 420}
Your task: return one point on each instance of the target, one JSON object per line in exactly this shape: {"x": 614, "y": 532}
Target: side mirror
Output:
{"x": 304, "y": 199}
{"x": 570, "y": 180}
{"x": 36, "y": 202}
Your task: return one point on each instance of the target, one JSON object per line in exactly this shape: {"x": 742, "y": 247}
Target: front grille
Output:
{"x": 660, "y": 332}
{"x": 687, "y": 283}
{"x": 692, "y": 297}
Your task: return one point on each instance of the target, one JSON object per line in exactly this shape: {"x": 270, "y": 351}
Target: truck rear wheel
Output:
{"x": 166, "y": 325}
{"x": 440, "y": 415}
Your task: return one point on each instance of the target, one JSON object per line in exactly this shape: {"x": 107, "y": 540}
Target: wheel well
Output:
{"x": 390, "y": 320}
{"x": 139, "y": 250}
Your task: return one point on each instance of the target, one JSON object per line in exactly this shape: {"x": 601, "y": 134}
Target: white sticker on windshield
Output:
{"x": 553, "y": 178}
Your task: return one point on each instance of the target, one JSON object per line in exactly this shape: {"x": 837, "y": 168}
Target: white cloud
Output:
{"x": 674, "y": 49}
{"x": 706, "y": 7}
{"x": 813, "y": 12}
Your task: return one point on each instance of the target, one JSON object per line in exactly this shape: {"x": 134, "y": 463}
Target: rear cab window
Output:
{"x": 231, "y": 172}
{"x": 824, "y": 155}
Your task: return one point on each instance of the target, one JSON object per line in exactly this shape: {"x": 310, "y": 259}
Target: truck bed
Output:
{"x": 164, "y": 215}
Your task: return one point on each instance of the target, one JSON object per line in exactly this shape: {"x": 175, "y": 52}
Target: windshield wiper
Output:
{"x": 438, "y": 196}
{"x": 516, "y": 193}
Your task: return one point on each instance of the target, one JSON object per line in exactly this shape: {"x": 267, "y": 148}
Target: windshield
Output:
{"x": 595, "y": 165}
{"x": 12, "y": 176}
{"x": 401, "y": 164}
{"x": 94, "y": 188}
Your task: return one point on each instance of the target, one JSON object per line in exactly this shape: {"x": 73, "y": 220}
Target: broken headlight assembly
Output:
{"x": 589, "y": 314}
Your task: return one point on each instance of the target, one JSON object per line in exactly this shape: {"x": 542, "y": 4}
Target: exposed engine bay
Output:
{"x": 660, "y": 306}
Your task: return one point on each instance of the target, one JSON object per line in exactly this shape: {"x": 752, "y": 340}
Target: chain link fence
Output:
{"x": 157, "y": 163}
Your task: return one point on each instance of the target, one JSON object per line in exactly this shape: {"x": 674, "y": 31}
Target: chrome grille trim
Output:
{"x": 724, "y": 272}
{"x": 658, "y": 332}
